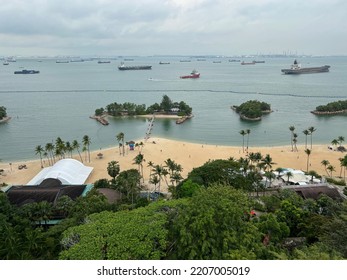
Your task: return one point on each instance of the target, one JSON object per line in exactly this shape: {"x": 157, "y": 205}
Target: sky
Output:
{"x": 172, "y": 27}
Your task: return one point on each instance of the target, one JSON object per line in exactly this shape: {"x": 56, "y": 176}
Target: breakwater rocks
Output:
{"x": 5, "y": 119}
{"x": 328, "y": 113}
{"x": 183, "y": 119}
{"x": 100, "y": 119}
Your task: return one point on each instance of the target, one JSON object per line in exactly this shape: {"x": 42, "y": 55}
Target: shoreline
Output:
{"x": 188, "y": 155}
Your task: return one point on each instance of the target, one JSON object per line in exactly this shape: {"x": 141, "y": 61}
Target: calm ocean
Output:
{"x": 58, "y": 101}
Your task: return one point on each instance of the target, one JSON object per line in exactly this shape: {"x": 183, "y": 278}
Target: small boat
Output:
{"x": 104, "y": 61}
{"x": 5, "y": 62}
{"x": 247, "y": 63}
{"x": 24, "y": 71}
{"x": 193, "y": 75}
{"x": 62, "y": 61}
{"x": 138, "y": 67}
{"x": 297, "y": 69}
{"x": 259, "y": 61}
{"x": 164, "y": 62}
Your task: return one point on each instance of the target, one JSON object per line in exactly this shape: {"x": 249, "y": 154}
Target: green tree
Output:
{"x": 128, "y": 182}
{"x": 140, "y": 234}
{"x": 113, "y": 169}
{"x": 215, "y": 226}
{"x": 166, "y": 103}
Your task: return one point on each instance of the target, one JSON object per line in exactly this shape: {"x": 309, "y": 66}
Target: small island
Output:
{"x": 3, "y": 115}
{"x": 332, "y": 108}
{"x": 167, "y": 108}
{"x": 252, "y": 110}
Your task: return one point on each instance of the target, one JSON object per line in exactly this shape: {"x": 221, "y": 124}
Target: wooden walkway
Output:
{"x": 149, "y": 129}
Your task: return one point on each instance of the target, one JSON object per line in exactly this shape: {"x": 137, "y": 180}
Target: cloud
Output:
{"x": 172, "y": 26}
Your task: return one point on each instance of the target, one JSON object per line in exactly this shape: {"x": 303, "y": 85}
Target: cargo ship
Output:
{"x": 27, "y": 72}
{"x": 193, "y": 75}
{"x": 297, "y": 69}
{"x": 139, "y": 67}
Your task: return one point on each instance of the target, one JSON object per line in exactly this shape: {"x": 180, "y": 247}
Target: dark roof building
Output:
{"x": 315, "y": 190}
{"x": 49, "y": 190}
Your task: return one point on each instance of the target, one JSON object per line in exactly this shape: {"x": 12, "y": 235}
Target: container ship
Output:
{"x": 138, "y": 67}
{"x": 297, "y": 69}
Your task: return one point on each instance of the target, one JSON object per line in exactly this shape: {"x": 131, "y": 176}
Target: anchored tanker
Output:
{"x": 140, "y": 67}
{"x": 297, "y": 69}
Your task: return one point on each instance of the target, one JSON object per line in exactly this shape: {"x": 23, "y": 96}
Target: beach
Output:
{"x": 188, "y": 155}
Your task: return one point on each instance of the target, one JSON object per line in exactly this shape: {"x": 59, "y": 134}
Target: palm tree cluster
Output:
{"x": 158, "y": 173}
{"x": 338, "y": 143}
{"x": 60, "y": 149}
{"x": 293, "y": 138}
{"x": 256, "y": 166}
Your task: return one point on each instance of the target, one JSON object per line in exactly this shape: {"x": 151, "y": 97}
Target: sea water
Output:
{"x": 58, "y": 101}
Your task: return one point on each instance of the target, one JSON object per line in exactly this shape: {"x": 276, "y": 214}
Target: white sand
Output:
{"x": 188, "y": 155}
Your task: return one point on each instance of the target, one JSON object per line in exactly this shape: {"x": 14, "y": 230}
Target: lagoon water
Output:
{"x": 58, "y": 101}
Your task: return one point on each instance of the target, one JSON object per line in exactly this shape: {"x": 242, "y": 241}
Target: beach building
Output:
{"x": 68, "y": 171}
{"x": 67, "y": 177}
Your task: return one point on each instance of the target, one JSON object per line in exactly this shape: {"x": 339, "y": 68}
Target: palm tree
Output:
{"x": 292, "y": 128}
{"x": 138, "y": 160}
{"x": 295, "y": 140}
{"x": 150, "y": 164}
{"x": 340, "y": 139}
{"x": 289, "y": 175}
{"x": 308, "y": 153}
{"x": 269, "y": 176}
{"x": 120, "y": 139}
{"x": 86, "y": 143}
{"x": 159, "y": 171}
{"x": 113, "y": 169}
{"x": 335, "y": 142}
{"x": 267, "y": 161}
{"x": 50, "y": 148}
{"x": 60, "y": 147}
{"x": 331, "y": 169}
{"x": 248, "y": 131}
{"x": 69, "y": 148}
{"x": 279, "y": 170}
{"x": 243, "y": 133}
{"x": 311, "y": 130}
{"x": 39, "y": 150}
{"x": 306, "y": 132}
{"x": 76, "y": 146}
{"x": 325, "y": 163}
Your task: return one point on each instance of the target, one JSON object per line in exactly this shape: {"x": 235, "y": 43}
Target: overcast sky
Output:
{"x": 173, "y": 27}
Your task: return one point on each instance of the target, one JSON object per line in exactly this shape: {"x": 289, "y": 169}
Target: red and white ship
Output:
{"x": 194, "y": 75}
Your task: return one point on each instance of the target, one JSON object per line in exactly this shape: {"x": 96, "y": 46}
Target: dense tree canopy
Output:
{"x": 253, "y": 109}
{"x": 131, "y": 109}
{"x": 3, "y": 113}
{"x": 336, "y": 106}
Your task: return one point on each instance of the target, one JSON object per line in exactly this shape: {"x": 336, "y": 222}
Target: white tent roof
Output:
{"x": 68, "y": 171}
